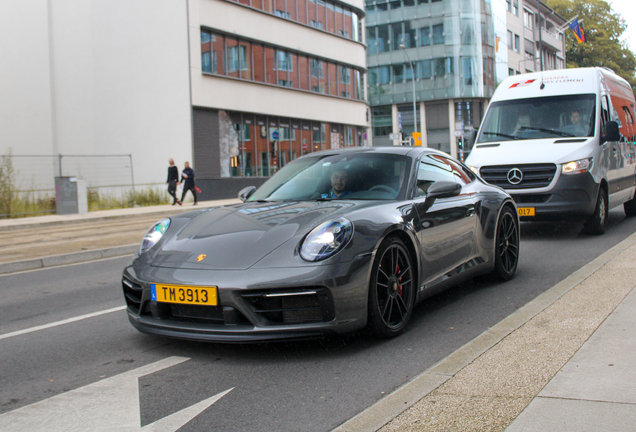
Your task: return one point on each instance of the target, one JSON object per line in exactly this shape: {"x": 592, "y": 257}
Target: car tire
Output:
{"x": 506, "y": 245}
{"x": 391, "y": 289}
{"x": 630, "y": 207}
{"x": 596, "y": 223}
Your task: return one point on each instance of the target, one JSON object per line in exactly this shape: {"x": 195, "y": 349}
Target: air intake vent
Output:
{"x": 132, "y": 293}
{"x": 299, "y": 306}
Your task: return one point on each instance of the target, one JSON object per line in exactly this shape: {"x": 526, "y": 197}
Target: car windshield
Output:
{"x": 534, "y": 118}
{"x": 360, "y": 175}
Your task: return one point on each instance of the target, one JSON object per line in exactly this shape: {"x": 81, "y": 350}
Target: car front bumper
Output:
{"x": 254, "y": 304}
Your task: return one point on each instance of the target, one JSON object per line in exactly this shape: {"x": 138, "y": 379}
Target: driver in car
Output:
{"x": 339, "y": 184}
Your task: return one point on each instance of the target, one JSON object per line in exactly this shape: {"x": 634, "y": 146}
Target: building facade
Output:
{"x": 449, "y": 56}
{"x": 532, "y": 46}
{"x": 273, "y": 80}
{"x": 237, "y": 88}
{"x": 440, "y": 52}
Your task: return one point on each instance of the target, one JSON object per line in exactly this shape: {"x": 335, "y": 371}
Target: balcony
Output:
{"x": 551, "y": 40}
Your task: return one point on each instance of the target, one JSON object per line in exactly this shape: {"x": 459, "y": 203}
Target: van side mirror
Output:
{"x": 245, "y": 193}
{"x": 611, "y": 132}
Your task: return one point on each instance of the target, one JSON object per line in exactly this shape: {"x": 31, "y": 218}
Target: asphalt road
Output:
{"x": 299, "y": 386}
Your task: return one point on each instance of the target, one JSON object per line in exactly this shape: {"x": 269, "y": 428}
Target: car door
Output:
{"x": 447, "y": 226}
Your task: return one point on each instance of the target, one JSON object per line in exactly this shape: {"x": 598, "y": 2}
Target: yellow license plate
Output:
{"x": 184, "y": 294}
{"x": 525, "y": 211}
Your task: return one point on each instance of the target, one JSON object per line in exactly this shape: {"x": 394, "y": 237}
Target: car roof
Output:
{"x": 400, "y": 150}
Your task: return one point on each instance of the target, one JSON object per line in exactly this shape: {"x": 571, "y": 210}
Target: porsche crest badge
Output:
{"x": 201, "y": 257}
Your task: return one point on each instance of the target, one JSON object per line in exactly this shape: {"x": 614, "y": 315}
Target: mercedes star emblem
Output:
{"x": 515, "y": 176}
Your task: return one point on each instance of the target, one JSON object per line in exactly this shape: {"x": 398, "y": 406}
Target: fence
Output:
{"x": 27, "y": 182}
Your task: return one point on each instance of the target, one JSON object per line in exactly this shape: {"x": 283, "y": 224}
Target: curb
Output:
{"x": 391, "y": 406}
{"x": 63, "y": 259}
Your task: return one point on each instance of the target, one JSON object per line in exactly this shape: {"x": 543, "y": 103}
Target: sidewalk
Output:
{"x": 564, "y": 362}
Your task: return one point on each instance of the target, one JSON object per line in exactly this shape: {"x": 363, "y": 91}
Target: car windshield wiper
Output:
{"x": 551, "y": 131}
{"x": 502, "y": 135}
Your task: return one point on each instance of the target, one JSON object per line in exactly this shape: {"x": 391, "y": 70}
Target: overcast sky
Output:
{"x": 627, "y": 9}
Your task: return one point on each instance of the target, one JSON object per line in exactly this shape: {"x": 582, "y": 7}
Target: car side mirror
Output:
{"x": 443, "y": 189}
{"x": 611, "y": 132}
{"x": 245, "y": 193}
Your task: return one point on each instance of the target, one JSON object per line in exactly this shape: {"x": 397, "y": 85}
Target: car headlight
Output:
{"x": 326, "y": 239}
{"x": 153, "y": 235}
{"x": 474, "y": 169}
{"x": 577, "y": 167}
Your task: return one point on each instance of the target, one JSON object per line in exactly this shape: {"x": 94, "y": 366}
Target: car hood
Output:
{"x": 237, "y": 237}
{"x": 557, "y": 151}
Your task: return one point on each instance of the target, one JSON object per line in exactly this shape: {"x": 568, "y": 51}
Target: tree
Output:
{"x": 603, "y": 29}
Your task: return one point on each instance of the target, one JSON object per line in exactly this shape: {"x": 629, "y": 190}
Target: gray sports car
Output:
{"x": 334, "y": 242}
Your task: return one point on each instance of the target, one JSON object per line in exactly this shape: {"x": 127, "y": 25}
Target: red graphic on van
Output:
{"x": 522, "y": 83}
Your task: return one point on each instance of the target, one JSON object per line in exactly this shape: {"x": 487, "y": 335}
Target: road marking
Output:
{"x": 107, "y": 405}
{"x": 59, "y": 323}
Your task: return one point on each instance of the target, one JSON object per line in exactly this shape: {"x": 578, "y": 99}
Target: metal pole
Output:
{"x": 540, "y": 48}
{"x": 59, "y": 167}
{"x": 132, "y": 177}
{"x": 413, "y": 81}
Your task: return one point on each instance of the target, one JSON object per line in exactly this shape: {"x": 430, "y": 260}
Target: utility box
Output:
{"x": 70, "y": 196}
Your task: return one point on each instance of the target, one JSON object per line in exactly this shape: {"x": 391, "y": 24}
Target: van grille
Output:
{"x": 534, "y": 175}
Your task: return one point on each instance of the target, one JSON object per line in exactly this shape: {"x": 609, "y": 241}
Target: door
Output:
{"x": 447, "y": 226}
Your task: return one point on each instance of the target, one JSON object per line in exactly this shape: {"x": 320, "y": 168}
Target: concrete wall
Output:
{"x": 97, "y": 77}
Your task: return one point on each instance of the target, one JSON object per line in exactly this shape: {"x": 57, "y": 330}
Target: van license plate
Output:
{"x": 525, "y": 211}
{"x": 196, "y": 295}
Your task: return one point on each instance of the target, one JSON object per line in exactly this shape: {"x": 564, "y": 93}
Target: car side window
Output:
{"x": 433, "y": 168}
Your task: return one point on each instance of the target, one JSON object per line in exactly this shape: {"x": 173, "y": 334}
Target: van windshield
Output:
{"x": 535, "y": 118}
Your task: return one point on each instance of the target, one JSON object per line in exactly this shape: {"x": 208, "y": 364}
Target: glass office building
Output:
{"x": 451, "y": 47}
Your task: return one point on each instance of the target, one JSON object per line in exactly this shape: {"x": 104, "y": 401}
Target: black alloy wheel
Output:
{"x": 392, "y": 289}
{"x": 507, "y": 245}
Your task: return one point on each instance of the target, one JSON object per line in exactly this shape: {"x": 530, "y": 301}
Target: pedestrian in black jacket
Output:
{"x": 187, "y": 178}
{"x": 173, "y": 179}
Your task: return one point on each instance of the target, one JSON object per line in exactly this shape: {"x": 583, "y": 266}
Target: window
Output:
{"x": 528, "y": 18}
{"x": 511, "y": 71}
{"x": 509, "y": 5}
{"x": 509, "y": 39}
{"x": 345, "y": 75}
{"x": 205, "y": 62}
{"x": 284, "y": 62}
{"x": 316, "y": 24}
{"x": 515, "y": 7}
{"x": 282, "y": 14}
{"x": 398, "y": 74}
{"x": 237, "y": 58}
{"x": 383, "y": 38}
{"x": 517, "y": 43}
{"x": 316, "y": 68}
{"x": 424, "y": 69}
{"x": 425, "y": 36}
{"x": 438, "y": 34}
{"x": 467, "y": 67}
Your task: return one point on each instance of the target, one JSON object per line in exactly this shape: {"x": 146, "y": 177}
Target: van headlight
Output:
{"x": 474, "y": 169}
{"x": 577, "y": 167}
{"x": 326, "y": 239}
{"x": 153, "y": 235}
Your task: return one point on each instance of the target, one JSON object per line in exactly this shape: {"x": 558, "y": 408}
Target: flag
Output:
{"x": 578, "y": 31}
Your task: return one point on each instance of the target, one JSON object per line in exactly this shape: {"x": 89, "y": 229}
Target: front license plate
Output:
{"x": 525, "y": 211}
{"x": 184, "y": 294}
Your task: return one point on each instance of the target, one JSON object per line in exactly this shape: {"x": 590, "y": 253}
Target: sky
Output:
{"x": 627, "y": 9}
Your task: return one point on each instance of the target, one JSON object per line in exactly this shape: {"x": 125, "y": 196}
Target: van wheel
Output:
{"x": 596, "y": 223}
{"x": 630, "y": 207}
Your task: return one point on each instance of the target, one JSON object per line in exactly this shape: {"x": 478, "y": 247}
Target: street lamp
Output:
{"x": 413, "y": 81}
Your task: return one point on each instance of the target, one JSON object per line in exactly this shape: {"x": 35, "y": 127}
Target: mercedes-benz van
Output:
{"x": 561, "y": 143}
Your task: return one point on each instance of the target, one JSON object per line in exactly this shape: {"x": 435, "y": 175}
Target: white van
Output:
{"x": 562, "y": 144}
